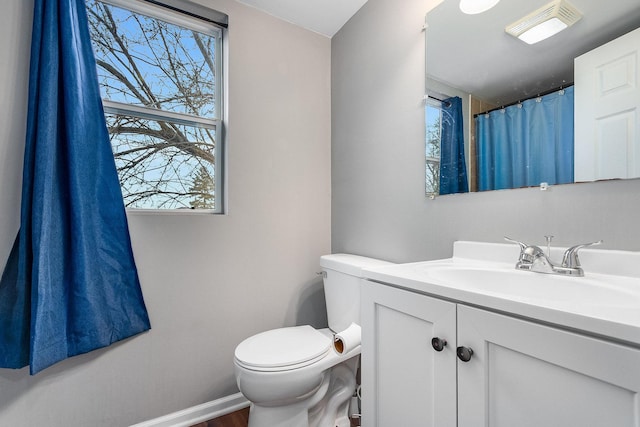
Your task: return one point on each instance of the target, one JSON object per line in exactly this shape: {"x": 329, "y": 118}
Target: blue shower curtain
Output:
{"x": 453, "y": 169}
{"x": 527, "y": 143}
{"x": 70, "y": 284}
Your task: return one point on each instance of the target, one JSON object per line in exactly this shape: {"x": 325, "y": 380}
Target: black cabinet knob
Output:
{"x": 464, "y": 353}
{"x": 438, "y": 344}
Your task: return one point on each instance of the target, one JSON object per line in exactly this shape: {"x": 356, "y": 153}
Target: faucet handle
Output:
{"x": 523, "y": 246}
{"x": 528, "y": 254}
{"x": 570, "y": 258}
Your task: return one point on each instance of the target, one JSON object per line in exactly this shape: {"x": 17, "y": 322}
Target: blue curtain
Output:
{"x": 527, "y": 143}
{"x": 453, "y": 169}
{"x": 70, "y": 284}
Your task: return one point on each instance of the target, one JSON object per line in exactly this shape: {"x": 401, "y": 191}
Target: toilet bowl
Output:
{"x": 296, "y": 377}
{"x": 284, "y": 393}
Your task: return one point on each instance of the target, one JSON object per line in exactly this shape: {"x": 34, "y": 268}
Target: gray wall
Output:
{"x": 209, "y": 281}
{"x": 378, "y": 203}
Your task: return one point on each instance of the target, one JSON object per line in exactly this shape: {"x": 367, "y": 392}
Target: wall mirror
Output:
{"x": 472, "y": 58}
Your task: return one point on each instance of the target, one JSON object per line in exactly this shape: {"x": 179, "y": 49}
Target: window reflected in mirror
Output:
{"x": 446, "y": 169}
{"x": 433, "y": 117}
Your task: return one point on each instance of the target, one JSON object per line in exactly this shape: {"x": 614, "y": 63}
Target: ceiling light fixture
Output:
{"x": 472, "y": 7}
{"x": 545, "y": 22}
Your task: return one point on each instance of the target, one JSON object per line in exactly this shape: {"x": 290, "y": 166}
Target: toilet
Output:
{"x": 300, "y": 376}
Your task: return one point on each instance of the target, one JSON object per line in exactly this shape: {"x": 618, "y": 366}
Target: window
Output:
{"x": 160, "y": 75}
{"x": 433, "y": 117}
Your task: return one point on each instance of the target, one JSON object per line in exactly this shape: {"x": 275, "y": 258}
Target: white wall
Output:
{"x": 378, "y": 203}
{"x": 209, "y": 281}
{"x": 15, "y": 40}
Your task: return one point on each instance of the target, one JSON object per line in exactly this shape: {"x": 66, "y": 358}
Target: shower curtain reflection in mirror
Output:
{"x": 527, "y": 143}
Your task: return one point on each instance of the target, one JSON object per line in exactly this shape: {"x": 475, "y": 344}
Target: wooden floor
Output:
{"x": 235, "y": 419}
{"x": 239, "y": 419}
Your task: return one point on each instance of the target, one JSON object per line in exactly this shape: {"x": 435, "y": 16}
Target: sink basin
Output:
{"x": 605, "y": 302}
{"x": 538, "y": 287}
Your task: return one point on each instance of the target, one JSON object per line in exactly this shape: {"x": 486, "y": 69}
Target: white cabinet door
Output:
{"x": 607, "y": 110}
{"x": 405, "y": 382}
{"x": 528, "y": 375}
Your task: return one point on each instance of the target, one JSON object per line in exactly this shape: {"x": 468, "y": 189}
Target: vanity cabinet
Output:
{"x": 405, "y": 382}
{"x": 521, "y": 373}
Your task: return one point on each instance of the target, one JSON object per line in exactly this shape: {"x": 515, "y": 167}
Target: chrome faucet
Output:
{"x": 532, "y": 258}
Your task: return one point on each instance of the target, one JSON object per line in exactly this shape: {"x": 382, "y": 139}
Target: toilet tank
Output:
{"x": 342, "y": 273}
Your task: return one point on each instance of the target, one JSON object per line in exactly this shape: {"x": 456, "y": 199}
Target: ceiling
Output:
{"x": 325, "y": 17}
{"x": 473, "y": 52}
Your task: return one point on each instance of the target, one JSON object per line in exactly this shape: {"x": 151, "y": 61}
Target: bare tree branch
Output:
{"x": 166, "y": 67}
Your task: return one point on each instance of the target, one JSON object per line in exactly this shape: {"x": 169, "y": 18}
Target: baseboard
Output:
{"x": 197, "y": 414}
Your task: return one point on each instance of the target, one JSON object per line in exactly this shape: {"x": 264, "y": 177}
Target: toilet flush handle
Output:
{"x": 322, "y": 273}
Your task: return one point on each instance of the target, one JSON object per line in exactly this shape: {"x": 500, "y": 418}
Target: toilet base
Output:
{"x": 327, "y": 407}
{"x": 277, "y": 417}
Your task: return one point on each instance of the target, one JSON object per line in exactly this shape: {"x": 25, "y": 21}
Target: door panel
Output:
{"x": 528, "y": 375}
{"x": 607, "y": 110}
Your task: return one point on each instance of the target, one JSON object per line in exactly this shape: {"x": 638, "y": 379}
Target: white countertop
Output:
{"x": 606, "y": 302}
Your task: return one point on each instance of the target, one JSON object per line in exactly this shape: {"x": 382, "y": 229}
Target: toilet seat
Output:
{"x": 283, "y": 349}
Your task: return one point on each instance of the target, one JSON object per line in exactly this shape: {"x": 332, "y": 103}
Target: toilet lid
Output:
{"x": 285, "y": 347}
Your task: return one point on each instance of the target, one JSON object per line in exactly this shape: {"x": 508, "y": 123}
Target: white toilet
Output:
{"x": 294, "y": 377}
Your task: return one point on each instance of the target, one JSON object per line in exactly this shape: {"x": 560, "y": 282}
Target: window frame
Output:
{"x": 164, "y": 11}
